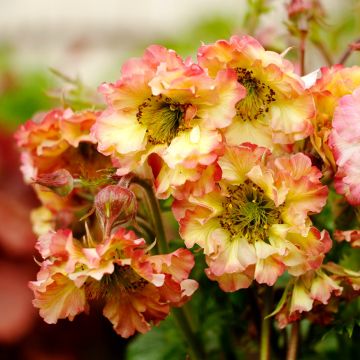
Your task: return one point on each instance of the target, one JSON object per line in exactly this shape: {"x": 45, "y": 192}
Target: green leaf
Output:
{"x": 280, "y": 303}
{"x": 162, "y": 342}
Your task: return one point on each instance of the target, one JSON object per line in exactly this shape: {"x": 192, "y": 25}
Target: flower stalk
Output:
{"x": 182, "y": 318}
{"x": 155, "y": 213}
{"x": 294, "y": 340}
{"x": 265, "y": 326}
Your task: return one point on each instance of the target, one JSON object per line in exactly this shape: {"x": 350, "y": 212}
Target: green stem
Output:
{"x": 293, "y": 343}
{"x": 182, "y": 318}
{"x": 155, "y": 213}
{"x": 196, "y": 351}
{"x": 265, "y": 326}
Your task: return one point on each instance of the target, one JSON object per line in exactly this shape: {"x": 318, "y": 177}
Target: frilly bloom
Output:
{"x": 165, "y": 106}
{"x": 137, "y": 289}
{"x": 59, "y": 157}
{"x": 312, "y": 288}
{"x": 256, "y": 224}
{"x": 276, "y": 108}
{"x": 334, "y": 83}
{"x": 59, "y": 139}
{"x": 344, "y": 141}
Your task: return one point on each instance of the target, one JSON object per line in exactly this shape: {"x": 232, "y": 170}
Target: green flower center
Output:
{"x": 258, "y": 98}
{"x": 249, "y": 212}
{"x": 163, "y": 118}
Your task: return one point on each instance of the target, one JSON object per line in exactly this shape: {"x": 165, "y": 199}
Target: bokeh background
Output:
{"x": 87, "y": 41}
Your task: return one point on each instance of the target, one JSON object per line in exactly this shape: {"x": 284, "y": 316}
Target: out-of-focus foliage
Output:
{"x": 21, "y": 94}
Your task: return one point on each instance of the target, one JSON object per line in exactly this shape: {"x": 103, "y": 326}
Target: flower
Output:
{"x": 59, "y": 157}
{"x": 138, "y": 289}
{"x": 59, "y": 139}
{"x": 344, "y": 140}
{"x": 335, "y": 82}
{"x": 276, "y": 108}
{"x": 162, "y": 105}
{"x": 302, "y": 293}
{"x": 255, "y": 225}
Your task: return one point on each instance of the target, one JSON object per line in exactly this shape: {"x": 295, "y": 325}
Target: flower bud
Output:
{"x": 60, "y": 181}
{"x": 308, "y": 8}
{"x": 115, "y": 205}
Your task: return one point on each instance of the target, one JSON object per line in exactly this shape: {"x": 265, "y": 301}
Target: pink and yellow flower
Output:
{"x": 335, "y": 82}
{"x": 165, "y": 106}
{"x": 313, "y": 288}
{"x": 344, "y": 140}
{"x": 256, "y": 224}
{"x": 57, "y": 150}
{"x": 276, "y": 108}
{"x": 59, "y": 139}
{"x": 138, "y": 289}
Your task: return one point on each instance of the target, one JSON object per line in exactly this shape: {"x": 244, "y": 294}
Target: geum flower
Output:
{"x": 304, "y": 294}
{"x": 344, "y": 140}
{"x": 276, "y": 108}
{"x": 59, "y": 139}
{"x": 137, "y": 289}
{"x": 256, "y": 224}
{"x": 162, "y": 105}
{"x": 334, "y": 83}
{"x": 56, "y": 149}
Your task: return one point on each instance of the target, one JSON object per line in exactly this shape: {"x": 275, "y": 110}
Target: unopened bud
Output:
{"x": 115, "y": 205}
{"x": 307, "y": 8}
{"x": 60, "y": 181}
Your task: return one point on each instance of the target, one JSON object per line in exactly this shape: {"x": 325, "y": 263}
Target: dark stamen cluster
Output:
{"x": 163, "y": 118}
{"x": 258, "y": 98}
{"x": 123, "y": 279}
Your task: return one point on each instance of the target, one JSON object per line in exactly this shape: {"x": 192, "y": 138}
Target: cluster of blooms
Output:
{"x": 226, "y": 138}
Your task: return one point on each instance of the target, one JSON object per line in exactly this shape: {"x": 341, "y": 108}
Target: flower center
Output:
{"x": 163, "y": 118}
{"x": 249, "y": 212}
{"x": 123, "y": 279}
{"x": 258, "y": 98}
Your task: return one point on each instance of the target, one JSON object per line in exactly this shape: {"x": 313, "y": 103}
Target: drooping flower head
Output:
{"x": 334, "y": 83}
{"x": 344, "y": 141}
{"x": 256, "y": 224}
{"x": 165, "y": 106}
{"x": 137, "y": 289}
{"x": 304, "y": 293}
{"x": 276, "y": 108}
{"x": 317, "y": 294}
